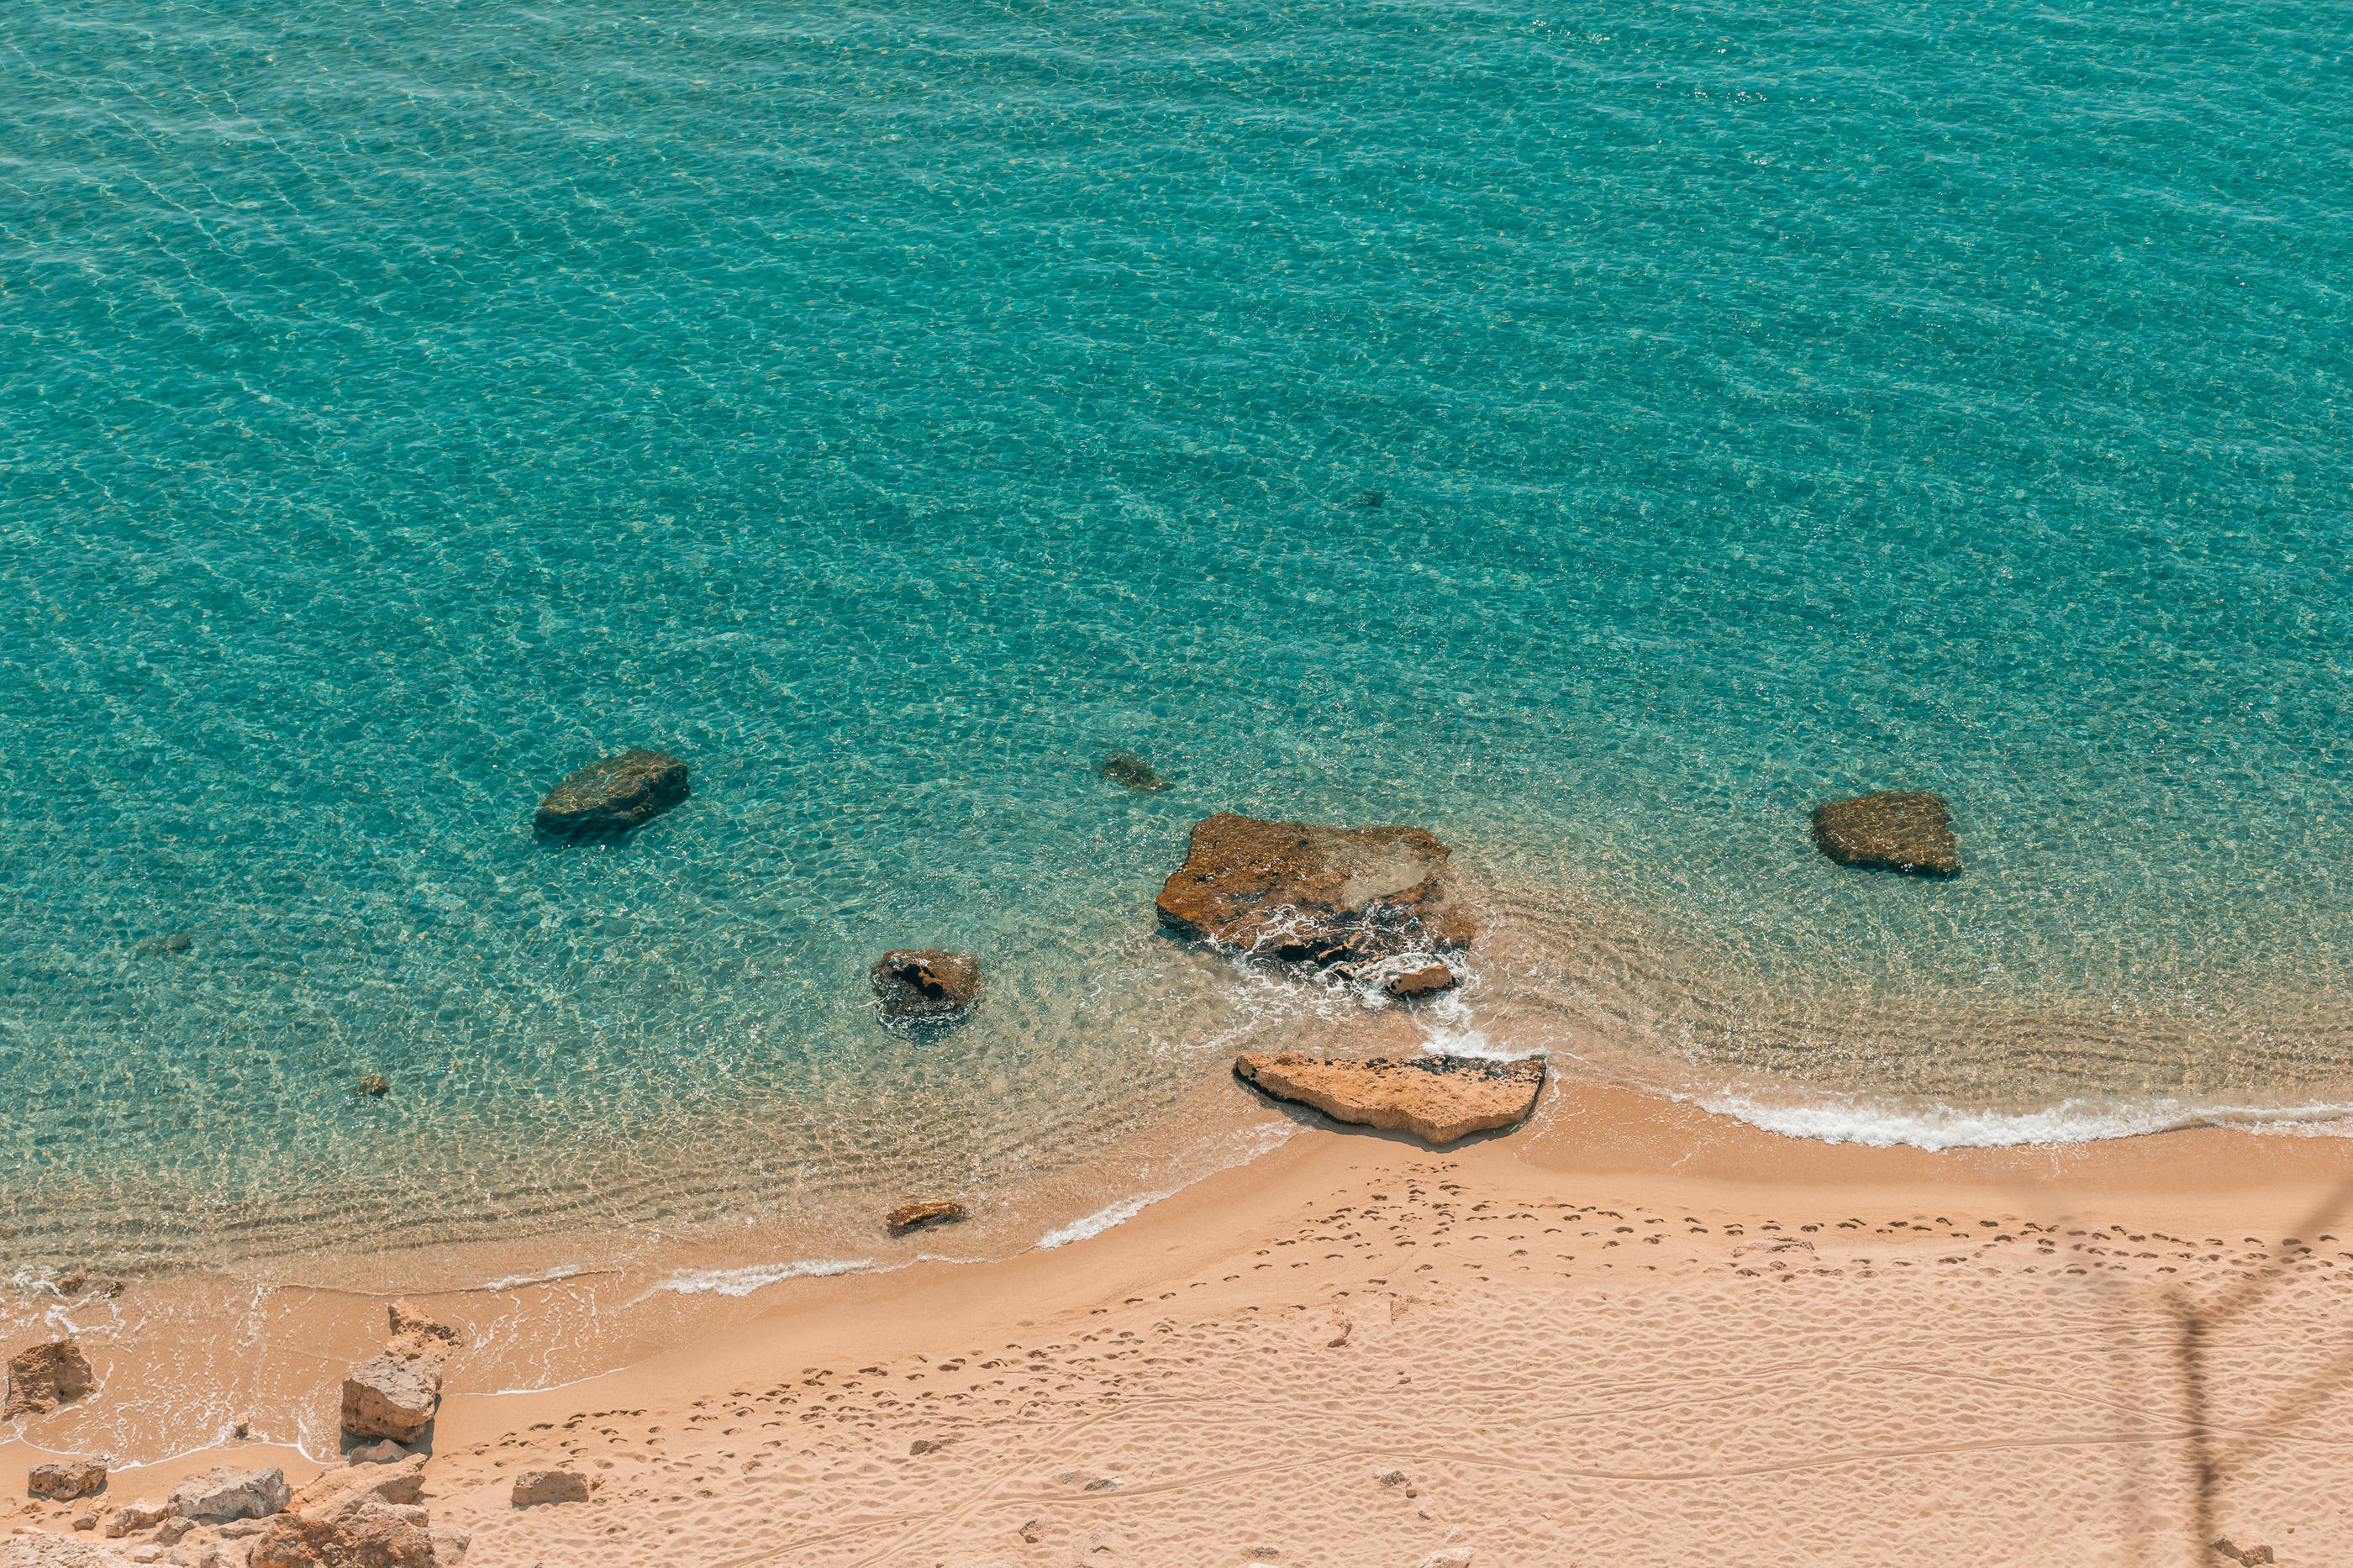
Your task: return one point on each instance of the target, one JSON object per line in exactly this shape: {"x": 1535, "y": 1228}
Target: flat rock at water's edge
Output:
{"x": 62, "y": 1480}
{"x": 1896, "y": 830}
{"x": 907, "y": 1216}
{"x": 1304, "y": 893}
{"x": 926, "y": 983}
{"x": 613, "y": 795}
{"x": 42, "y": 1378}
{"x": 1436, "y": 1098}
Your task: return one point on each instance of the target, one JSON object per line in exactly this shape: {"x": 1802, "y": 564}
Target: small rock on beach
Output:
{"x": 44, "y": 1376}
{"x": 1436, "y": 1098}
{"x": 62, "y": 1480}
{"x": 533, "y": 1487}
{"x": 613, "y": 795}
{"x": 221, "y": 1495}
{"x": 1895, "y": 830}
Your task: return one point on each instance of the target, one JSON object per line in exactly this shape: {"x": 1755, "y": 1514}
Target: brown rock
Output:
{"x": 226, "y": 1493}
{"x": 45, "y": 1376}
{"x": 374, "y": 1535}
{"x": 1437, "y": 1099}
{"x": 1427, "y": 981}
{"x": 132, "y": 1516}
{"x": 392, "y": 1395}
{"x": 926, "y": 983}
{"x": 340, "y": 1490}
{"x": 1898, "y": 830}
{"x": 62, "y": 1480}
{"x": 415, "y": 1334}
{"x": 907, "y": 1216}
{"x": 1317, "y": 895}
{"x": 533, "y": 1487}
{"x": 613, "y": 795}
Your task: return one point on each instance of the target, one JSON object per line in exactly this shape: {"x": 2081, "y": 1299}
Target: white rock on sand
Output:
{"x": 57, "y": 1551}
{"x": 226, "y": 1493}
{"x": 1437, "y": 1098}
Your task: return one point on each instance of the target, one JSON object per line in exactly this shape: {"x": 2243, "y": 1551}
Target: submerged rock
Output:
{"x": 613, "y": 795}
{"x": 907, "y": 1216}
{"x": 1896, "y": 830}
{"x": 1133, "y": 771}
{"x": 1427, "y": 981}
{"x": 221, "y": 1495}
{"x": 375, "y": 1085}
{"x": 62, "y": 1480}
{"x": 1304, "y": 893}
{"x": 45, "y": 1376}
{"x": 1437, "y": 1099}
{"x": 926, "y": 983}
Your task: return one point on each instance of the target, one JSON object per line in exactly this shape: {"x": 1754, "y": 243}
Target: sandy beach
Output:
{"x": 1630, "y": 1333}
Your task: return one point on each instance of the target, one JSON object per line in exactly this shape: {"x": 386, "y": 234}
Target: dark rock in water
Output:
{"x": 42, "y": 1378}
{"x": 1436, "y": 1098}
{"x": 613, "y": 795}
{"x": 1899, "y": 830}
{"x": 374, "y": 1083}
{"x": 1371, "y": 500}
{"x": 1131, "y": 770}
{"x": 1318, "y": 895}
{"x": 1426, "y": 981}
{"x": 926, "y": 983}
{"x": 175, "y": 942}
{"x": 907, "y": 1216}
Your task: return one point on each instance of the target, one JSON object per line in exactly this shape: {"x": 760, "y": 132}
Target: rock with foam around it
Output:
{"x": 533, "y": 1487}
{"x": 925, "y": 983}
{"x": 375, "y": 1535}
{"x": 1896, "y": 830}
{"x": 1307, "y": 894}
{"x": 1427, "y": 981}
{"x": 1436, "y": 1098}
{"x": 42, "y": 1378}
{"x": 415, "y": 1334}
{"x": 392, "y": 1395}
{"x": 220, "y": 1495}
{"x": 613, "y": 795}
{"x": 62, "y": 1480}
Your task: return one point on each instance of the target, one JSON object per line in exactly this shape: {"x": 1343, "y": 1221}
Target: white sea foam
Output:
{"x": 1939, "y": 1127}
{"x": 517, "y": 1281}
{"x": 1243, "y": 1145}
{"x": 743, "y": 1281}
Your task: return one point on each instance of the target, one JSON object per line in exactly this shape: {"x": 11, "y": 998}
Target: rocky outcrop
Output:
{"x": 41, "y": 1551}
{"x": 134, "y": 1516}
{"x": 220, "y": 1495}
{"x": 1340, "y": 896}
{"x": 1427, "y": 981}
{"x": 1436, "y": 1098}
{"x": 1897, "y": 831}
{"x": 926, "y": 983}
{"x": 372, "y": 1534}
{"x": 397, "y": 1394}
{"x": 533, "y": 1487}
{"x": 907, "y": 1216}
{"x": 1130, "y": 772}
{"x": 45, "y": 1376}
{"x": 613, "y": 795}
{"x": 335, "y": 1491}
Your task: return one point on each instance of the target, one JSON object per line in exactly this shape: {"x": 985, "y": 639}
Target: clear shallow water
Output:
{"x": 891, "y": 412}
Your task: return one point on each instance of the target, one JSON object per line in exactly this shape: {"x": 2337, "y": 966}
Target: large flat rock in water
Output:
{"x": 613, "y": 795}
{"x": 1436, "y": 1098}
{"x": 1304, "y": 893}
{"x": 1895, "y": 830}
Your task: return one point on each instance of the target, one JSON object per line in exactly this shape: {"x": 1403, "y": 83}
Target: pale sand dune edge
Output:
{"x": 1630, "y": 1335}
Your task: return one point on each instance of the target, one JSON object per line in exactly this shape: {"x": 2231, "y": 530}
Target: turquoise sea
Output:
{"x": 892, "y": 410}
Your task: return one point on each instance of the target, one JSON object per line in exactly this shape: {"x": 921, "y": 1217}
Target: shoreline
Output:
{"x": 1586, "y": 1144}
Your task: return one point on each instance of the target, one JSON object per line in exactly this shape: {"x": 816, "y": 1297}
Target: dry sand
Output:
{"x": 1631, "y": 1334}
